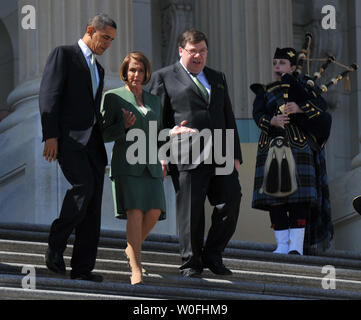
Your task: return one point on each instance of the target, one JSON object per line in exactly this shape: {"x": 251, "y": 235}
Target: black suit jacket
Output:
{"x": 66, "y": 101}
{"x": 182, "y": 100}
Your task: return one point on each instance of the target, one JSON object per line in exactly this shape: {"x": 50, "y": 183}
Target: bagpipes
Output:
{"x": 330, "y": 59}
{"x": 315, "y": 121}
{"x": 304, "y": 85}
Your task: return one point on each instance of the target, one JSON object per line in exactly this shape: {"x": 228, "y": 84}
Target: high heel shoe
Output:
{"x": 144, "y": 271}
{"x": 140, "y": 283}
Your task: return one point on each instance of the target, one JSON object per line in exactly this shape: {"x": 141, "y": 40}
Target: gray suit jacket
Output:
{"x": 182, "y": 100}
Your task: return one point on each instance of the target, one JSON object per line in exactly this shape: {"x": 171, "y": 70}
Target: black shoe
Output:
{"x": 88, "y": 276}
{"x": 356, "y": 202}
{"x": 217, "y": 267}
{"x": 55, "y": 261}
{"x": 190, "y": 272}
{"x": 294, "y": 252}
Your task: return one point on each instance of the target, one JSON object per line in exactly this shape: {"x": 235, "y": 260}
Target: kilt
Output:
{"x": 319, "y": 230}
{"x": 313, "y": 188}
{"x": 305, "y": 175}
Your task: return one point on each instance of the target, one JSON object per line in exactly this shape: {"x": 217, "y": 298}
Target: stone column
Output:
{"x": 356, "y": 98}
{"x": 243, "y": 35}
{"x": 346, "y": 137}
{"x": 64, "y": 22}
{"x": 31, "y": 190}
{"x": 177, "y": 17}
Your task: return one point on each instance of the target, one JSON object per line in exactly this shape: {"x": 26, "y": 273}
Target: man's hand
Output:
{"x": 165, "y": 168}
{"x": 128, "y": 119}
{"x": 280, "y": 121}
{"x": 292, "y": 107}
{"x": 50, "y": 152}
{"x": 181, "y": 129}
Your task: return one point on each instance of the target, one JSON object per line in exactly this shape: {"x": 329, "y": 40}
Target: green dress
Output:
{"x": 135, "y": 170}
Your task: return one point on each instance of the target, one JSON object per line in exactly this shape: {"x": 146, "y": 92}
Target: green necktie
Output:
{"x": 201, "y": 87}
{"x": 92, "y": 74}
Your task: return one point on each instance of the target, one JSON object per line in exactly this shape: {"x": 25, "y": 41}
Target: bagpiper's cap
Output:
{"x": 286, "y": 53}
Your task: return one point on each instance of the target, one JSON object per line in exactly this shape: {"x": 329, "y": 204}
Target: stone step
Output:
{"x": 297, "y": 267}
{"x": 115, "y": 282}
{"x": 36, "y": 294}
{"x": 164, "y": 263}
{"x": 257, "y": 272}
{"x": 166, "y": 274}
{"x": 249, "y": 251}
{"x": 147, "y": 291}
{"x": 116, "y": 239}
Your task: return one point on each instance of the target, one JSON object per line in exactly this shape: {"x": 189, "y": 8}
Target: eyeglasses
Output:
{"x": 193, "y": 53}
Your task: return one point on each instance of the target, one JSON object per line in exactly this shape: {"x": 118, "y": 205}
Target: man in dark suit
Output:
{"x": 69, "y": 102}
{"x": 197, "y": 95}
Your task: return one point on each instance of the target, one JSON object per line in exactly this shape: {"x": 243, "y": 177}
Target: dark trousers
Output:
{"x": 290, "y": 216}
{"x": 194, "y": 186}
{"x": 81, "y": 209}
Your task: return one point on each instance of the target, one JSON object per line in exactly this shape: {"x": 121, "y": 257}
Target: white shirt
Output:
{"x": 143, "y": 109}
{"x": 87, "y": 55}
{"x": 200, "y": 76}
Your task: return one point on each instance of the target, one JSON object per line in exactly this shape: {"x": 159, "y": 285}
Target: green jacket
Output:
{"x": 111, "y": 109}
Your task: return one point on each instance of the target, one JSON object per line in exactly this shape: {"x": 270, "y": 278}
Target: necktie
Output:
{"x": 201, "y": 87}
{"x": 92, "y": 74}
{"x": 92, "y": 67}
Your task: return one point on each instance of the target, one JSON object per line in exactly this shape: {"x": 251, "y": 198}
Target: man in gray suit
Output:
{"x": 197, "y": 95}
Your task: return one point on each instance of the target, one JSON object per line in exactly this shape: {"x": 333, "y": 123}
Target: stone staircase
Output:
{"x": 258, "y": 274}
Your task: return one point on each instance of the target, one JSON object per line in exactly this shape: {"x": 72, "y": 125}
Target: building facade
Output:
{"x": 243, "y": 35}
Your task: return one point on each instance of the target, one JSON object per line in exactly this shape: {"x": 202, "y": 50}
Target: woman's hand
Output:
{"x": 165, "y": 168}
{"x": 280, "y": 120}
{"x": 128, "y": 119}
{"x": 292, "y": 107}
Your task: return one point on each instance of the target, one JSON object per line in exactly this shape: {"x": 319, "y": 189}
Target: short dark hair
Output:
{"x": 101, "y": 21}
{"x": 140, "y": 57}
{"x": 192, "y": 36}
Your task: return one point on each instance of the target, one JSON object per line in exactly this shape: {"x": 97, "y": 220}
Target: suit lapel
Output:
{"x": 101, "y": 78}
{"x": 129, "y": 97}
{"x": 184, "y": 78}
{"x": 85, "y": 67}
{"x": 211, "y": 81}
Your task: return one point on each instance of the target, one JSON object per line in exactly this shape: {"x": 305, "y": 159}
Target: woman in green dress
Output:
{"x": 137, "y": 188}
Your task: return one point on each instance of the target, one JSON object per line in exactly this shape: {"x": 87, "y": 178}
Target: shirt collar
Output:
{"x": 84, "y": 48}
{"x": 199, "y": 74}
